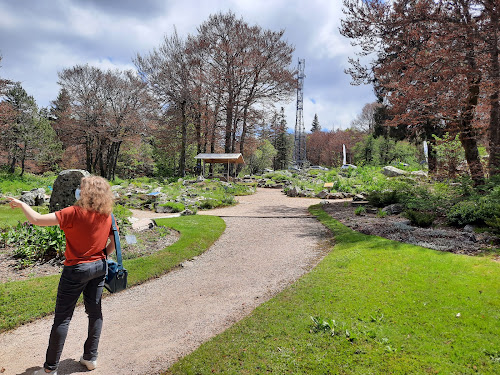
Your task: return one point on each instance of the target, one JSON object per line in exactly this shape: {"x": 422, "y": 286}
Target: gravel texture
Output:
{"x": 270, "y": 241}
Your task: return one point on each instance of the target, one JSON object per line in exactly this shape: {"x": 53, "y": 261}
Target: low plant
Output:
{"x": 382, "y": 198}
{"x": 122, "y": 215}
{"x": 32, "y": 243}
{"x": 209, "y": 203}
{"x": 420, "y": 218}
{"x": 382, "y": 213}
{"x": 477, "y": 210}
{"x": 174, "y": 206}
{"x": 360, "y": 210}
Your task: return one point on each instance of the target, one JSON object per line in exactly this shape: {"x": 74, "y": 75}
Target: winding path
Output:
{"x": 269, "y": 242}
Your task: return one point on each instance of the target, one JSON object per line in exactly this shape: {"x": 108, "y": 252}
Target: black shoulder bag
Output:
{"x": 116, "y": 275}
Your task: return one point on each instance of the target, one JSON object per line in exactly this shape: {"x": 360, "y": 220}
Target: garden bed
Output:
{"x": 148, "y": 242}
{"x": 397, "y": 228}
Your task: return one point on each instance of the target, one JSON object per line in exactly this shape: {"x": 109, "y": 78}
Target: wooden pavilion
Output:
{"x": 220, "y": 159}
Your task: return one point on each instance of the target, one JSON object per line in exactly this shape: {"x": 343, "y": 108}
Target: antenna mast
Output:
{"x": 299, "y": 154}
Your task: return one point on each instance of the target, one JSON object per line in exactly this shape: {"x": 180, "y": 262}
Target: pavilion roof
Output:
{"x": 221, "y": 158}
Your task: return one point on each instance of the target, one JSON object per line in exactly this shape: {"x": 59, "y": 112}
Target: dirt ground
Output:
{"x": 148, "y": 242}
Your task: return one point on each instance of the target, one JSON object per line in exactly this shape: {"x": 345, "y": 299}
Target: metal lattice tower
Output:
{"x": 299, "y": 152}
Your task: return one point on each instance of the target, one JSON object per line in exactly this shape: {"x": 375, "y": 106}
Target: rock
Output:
{"x": 469, "y": 228}
{"x": 391, "y": 171}
{"x": 419, "y": 174}
{"x": 336, "y": 196}
{"x": 358, "y": 198}
{"x": 393, "y": 209}
{"x": 63, "y": 191}
{"x": 293, "y": 192}
{"x": 469, "y": 236}
{"x": 187, "y": 212}
{"x": 323, "y": 194}
{"x": 34, "y": 197}
{"x": 163, "y": 209}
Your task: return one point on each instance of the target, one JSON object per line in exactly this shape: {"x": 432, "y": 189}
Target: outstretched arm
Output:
{"x": 34, "y": 217}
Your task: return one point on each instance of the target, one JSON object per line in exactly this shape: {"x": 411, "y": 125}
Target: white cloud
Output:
{"x": 38, "y": 39}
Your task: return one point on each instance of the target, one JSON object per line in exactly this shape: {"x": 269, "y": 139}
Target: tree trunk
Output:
{"x": 12, "y": 168}
{"x": 88, "y": 152}
{"x": 494, "y": 125}
{"x": 182, "y": 158}
{"x": 243, "y": 137}
{"x": 115, "y": 158}
{"x": 23, "y": 159}
{"x": 468, "y": 136}
{"x": 229, "y": 122}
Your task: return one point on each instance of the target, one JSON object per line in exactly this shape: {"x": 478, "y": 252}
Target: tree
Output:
{"x": 262, "y": 158}
{"x": 168, "y": 72}
{"x": 105, "y": 108}
{"x": 27, "y": 134}
{"x": 249, "y": 66}
{"x": 315, "y": 127}
{"x": 427, "y": 66}
{"x": 365, "y": 121}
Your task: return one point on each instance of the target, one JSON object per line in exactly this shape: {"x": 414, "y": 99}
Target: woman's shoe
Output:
{"x": 91, "y": 365}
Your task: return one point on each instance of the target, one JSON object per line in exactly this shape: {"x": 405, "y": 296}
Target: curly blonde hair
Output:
{"x": 96, "y": 195}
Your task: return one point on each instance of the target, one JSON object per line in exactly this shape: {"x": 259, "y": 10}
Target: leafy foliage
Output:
{"x": 32, "y": 243}
{"x": 420, "y": 218}
{"x": 175, "y": 206}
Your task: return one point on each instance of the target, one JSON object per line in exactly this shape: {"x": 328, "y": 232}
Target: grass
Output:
{"x": 395, "y": 309}
{"x": 27, "y": 300}
{"x": 10, "y": 217}
{"x": 14, "y": 184}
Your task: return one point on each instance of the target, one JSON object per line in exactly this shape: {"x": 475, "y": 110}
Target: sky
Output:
{"x": 39, "y": 38}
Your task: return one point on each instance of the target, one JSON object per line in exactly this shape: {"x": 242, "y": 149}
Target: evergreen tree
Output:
{"x": 315, "y": 127}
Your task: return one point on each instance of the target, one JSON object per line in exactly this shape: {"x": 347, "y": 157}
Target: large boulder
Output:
{"x": 63, "y": 191}
{"x": 391, "y": 171}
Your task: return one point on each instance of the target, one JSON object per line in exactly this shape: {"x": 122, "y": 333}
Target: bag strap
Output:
{"x": 117, "y": 243}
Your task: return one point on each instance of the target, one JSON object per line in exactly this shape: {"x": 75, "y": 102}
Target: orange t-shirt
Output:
{"x": 87, "y": 233}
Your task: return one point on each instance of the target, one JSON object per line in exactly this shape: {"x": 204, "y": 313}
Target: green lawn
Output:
{"x": 24, "y": 301}
{"x": 10, "y": 217}
{"x": 394, "y": 309}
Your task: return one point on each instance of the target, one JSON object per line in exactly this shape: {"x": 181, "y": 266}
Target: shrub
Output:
{"x": 208, "y": 204}
{"x": 122, "y": 215}
{"x": 382, "y": 198}
{"x": 420, "y": 218}
{"x": 175, "y": 206}
{"x": 473, "y": 211}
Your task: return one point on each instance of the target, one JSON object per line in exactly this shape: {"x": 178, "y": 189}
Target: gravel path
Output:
{"x": 270, "y": 241}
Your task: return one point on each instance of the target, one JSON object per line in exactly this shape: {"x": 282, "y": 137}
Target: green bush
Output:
{"x": 122, "y": 215}
{"x": 382, "y": 198}
{"x": 420, "y": 218}
{"x": 210, "y": 203}
{"x": 473, "y": 211}
{"x": 32, "y": 243}
{"x": 175, "y": 206}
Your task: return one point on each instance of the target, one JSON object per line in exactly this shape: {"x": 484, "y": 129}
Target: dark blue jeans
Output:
{"x": 89, "y": 279}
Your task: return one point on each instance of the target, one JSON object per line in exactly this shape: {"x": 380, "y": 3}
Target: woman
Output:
{"x": 87, "y": 226}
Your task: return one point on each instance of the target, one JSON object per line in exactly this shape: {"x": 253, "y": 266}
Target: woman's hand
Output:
{"x": 14, "y": 203}
{"x": 33, "y": 216}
